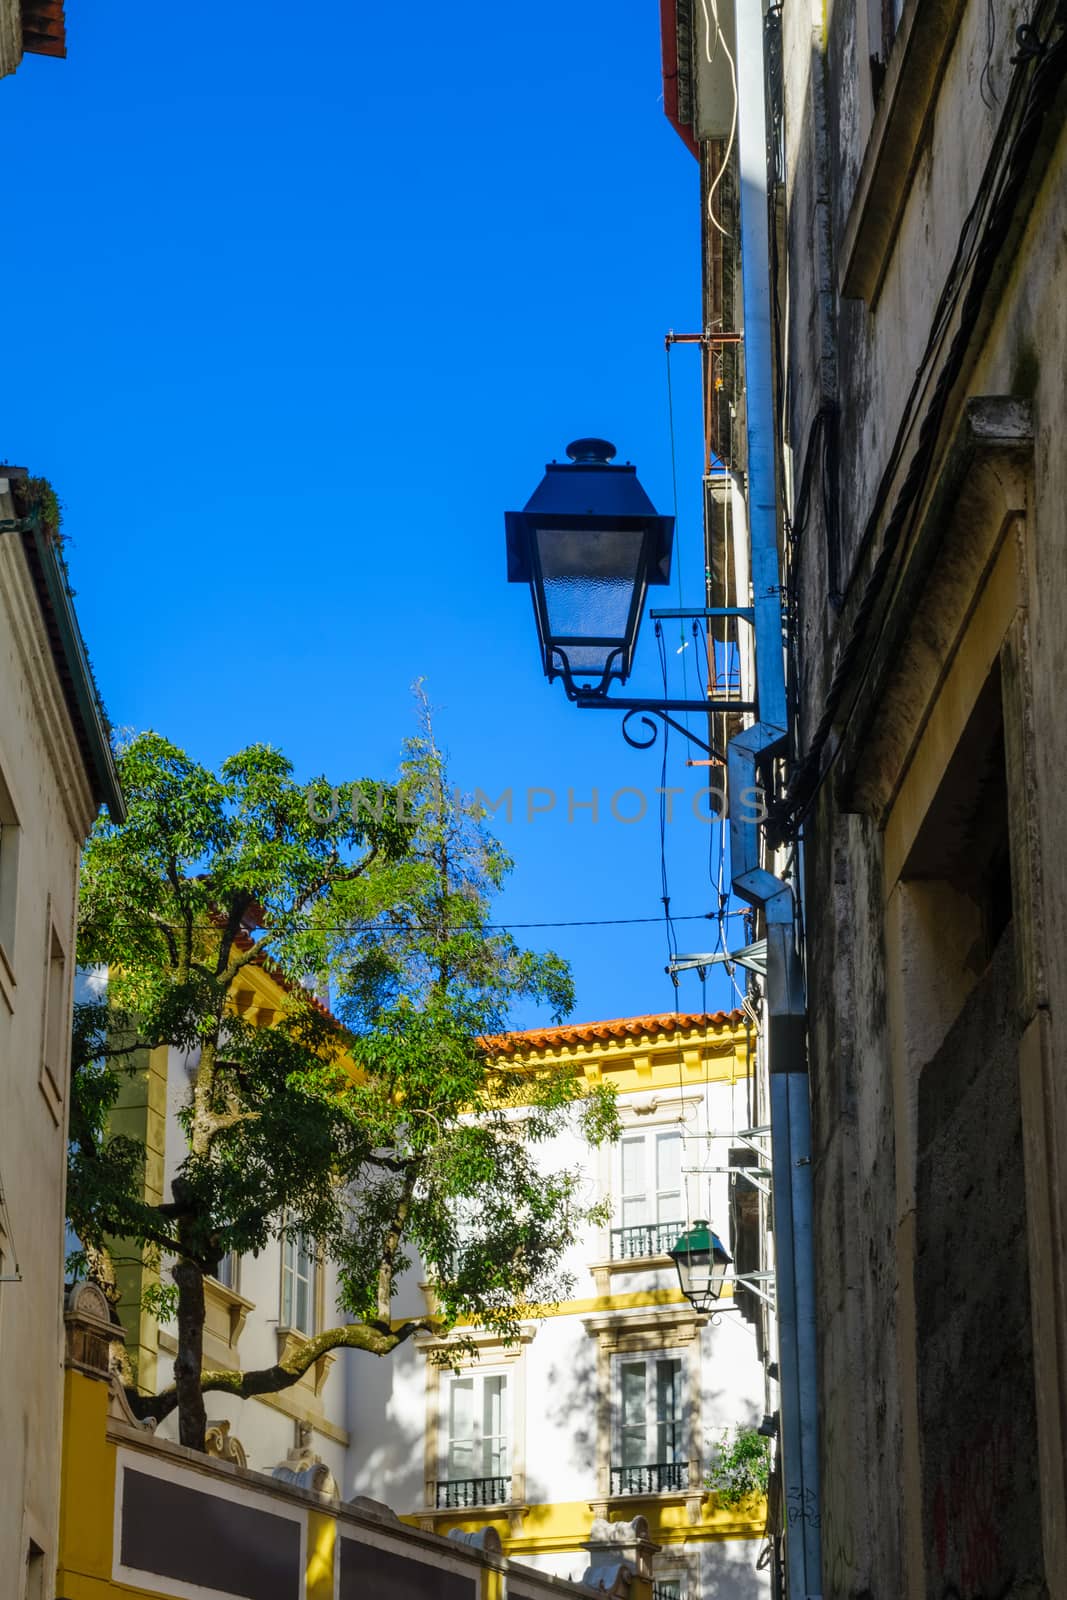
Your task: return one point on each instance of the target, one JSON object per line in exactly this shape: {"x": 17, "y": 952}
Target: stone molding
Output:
{"x": 981, "y": 487}
{"x": 290, "y": 1342}
{"x": 914, "y": 73}
{"x": 91, "y": 1335}
{"x": 50, "y": 715}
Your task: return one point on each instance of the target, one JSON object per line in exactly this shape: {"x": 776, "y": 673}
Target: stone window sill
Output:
{"x": 693, "y": 1500}
{"x": 227, "y": 1312}
{"x": 604, "y": 1271}
{"x": 514, "y": 1510}
{"x": 290, "y": 1340}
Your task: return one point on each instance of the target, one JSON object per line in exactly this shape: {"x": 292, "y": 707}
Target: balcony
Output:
{"x": 658, "y": 1478}
{"x": 463, "y": 1492}
{"x": 644, "y": 1239}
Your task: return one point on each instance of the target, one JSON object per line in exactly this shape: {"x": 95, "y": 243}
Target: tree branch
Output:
{"x": 182, "y": 962}
{"x": 391, "y": 1245}
{"x": 230, "y": 1119}
{"x": 161, "y": 922}
{"x": 240, "y": 960}
{"x": 378, "y": 1338}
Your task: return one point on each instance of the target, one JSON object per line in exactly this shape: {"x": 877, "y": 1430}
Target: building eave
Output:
{"x": 677, "y": 75}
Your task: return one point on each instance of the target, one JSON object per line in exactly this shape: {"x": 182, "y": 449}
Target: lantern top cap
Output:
{"x": 591, "y": 452}
{"x": 699, "y": 1239}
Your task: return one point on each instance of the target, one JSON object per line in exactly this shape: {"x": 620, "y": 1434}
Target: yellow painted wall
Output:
{"x": 87, "y": 1510}
{"x": 565, "y": 1525}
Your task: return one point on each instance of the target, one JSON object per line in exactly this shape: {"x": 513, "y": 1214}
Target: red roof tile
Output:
{"x": 572, "y": 1033}
{"x": 244, "y": 942}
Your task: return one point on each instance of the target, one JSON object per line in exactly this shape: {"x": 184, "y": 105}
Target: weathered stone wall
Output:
{"x": 967, "y": 1191}
{"x": 982, "y": 1531}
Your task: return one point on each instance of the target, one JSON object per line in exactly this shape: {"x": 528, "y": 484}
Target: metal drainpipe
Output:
{"x": 785, "y": 1001}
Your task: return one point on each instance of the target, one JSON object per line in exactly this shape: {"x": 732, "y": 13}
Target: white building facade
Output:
{"x": 612, "y": 1402}
{"x": 608, "y": 1406}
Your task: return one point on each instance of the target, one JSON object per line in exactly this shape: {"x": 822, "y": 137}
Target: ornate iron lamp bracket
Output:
{"x": 645, "y": 710}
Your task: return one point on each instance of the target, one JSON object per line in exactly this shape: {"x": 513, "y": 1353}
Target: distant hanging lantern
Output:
{"x": 701, "y": 1260}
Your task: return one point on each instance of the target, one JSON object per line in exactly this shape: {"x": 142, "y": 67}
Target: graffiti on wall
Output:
{"x": 968, "y": 1506}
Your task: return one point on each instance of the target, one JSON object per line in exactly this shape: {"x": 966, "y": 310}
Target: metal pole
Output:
{"x": 786, "y": 1013}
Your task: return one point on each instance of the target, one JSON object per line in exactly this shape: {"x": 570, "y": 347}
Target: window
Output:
{"x": 651, "y": 1450}
{"x": 476, "y": 1446}
{"x": 35, "y": 1573}
{"x": 651, "y": 1188}
{"x": 9, "y": 864}
{"x": 57, "y": 1018}
{"x": 668, "y": 1588}
{"x": 228, "y": 1271}
{"x": 467, "y": 1224}
{"x": 299, "y": 1280}
{"x": 651, "y": 1208}
{"x": 55, "y": 1045}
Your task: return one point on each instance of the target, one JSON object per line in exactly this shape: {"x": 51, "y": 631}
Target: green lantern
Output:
{"x": 701, "y": 1260}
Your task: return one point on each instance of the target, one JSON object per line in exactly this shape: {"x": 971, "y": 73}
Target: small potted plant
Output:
{"x": 740, "y": 1467}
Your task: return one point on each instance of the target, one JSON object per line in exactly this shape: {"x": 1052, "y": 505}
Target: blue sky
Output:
{"x": 304, "y": 302}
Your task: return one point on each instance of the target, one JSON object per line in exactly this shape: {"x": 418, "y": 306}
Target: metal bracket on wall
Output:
{"x": 756, "y": 1281}
{"x": 648, "y": 709}
{"x": 751, "y": 956}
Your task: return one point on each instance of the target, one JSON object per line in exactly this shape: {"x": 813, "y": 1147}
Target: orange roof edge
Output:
{"x": 613, "y": 1030}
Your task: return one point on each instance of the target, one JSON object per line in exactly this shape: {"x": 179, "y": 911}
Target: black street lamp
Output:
{"x": 589, "y": 543}
{"x": 701, "y": 1260}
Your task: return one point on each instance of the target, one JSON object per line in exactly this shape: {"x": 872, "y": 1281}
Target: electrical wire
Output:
{"x": 665, "y": 893}
{"x": 678, "y": 563}
{"x": 720, "y": 39}
{"x": 458, "y": 927}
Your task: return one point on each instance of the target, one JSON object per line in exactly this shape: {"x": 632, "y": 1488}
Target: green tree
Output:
{"x": 426, "y": 984}
{"x": 212, "y": 872}
{"x": 209, "y": 874}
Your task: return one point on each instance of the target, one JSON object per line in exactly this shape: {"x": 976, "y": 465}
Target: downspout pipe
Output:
{"x": 747, "y": 756}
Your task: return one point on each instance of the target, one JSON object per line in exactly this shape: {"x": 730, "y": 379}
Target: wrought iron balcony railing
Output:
{"x": 654, "y": 1479}
{"x": 645, "y": 1239}
{"x": 463, "y": 1492}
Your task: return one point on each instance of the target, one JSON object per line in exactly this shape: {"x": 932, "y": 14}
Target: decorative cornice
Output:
{"x": 667, "y": 1025}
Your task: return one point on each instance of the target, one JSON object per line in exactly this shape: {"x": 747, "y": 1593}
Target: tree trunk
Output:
{"x": 192, "y": 1417}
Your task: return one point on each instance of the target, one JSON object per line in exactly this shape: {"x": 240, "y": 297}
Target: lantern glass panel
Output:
{"x": 589, "y": 578}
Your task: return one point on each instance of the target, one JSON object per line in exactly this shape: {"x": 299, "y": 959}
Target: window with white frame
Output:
{"x": 651, "y": 1204}
{"x": 476, "y": 1442}
{"x": 650, "y": 1448}
{"x": 299, "y": 1280}
{"x": 228, "y": 1270}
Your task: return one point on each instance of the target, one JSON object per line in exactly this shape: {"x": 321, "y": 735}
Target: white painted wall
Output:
{"x": 45, "y": 791}
{"x": 382, "y": 1403}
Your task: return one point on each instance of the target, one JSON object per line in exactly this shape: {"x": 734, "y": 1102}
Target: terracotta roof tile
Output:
{"x": 572, "y": 1033}
{"x": 244, "y": 941}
